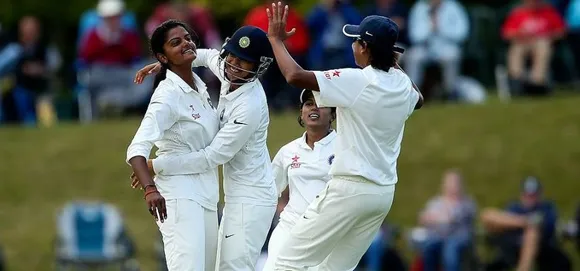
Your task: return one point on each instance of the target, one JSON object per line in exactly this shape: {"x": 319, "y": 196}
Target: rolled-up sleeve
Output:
{"x": 228, "y": 142}
{"x": 158, "y": 118}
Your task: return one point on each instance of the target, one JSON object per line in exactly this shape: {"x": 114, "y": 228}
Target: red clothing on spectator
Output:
{"x": 297, "y": 44}
{"x": 542, "y": 21}
{"x": 123, "y": 52}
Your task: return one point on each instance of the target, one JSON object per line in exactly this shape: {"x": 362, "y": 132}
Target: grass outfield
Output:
{"x": 494, "y": 145}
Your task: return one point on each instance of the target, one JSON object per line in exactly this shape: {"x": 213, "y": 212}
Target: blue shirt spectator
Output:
{"x": 396, "y": 11}
{"x": 329, "y": 47}
{"x": 573, "y": 15}
{"x": 545, "y": 213}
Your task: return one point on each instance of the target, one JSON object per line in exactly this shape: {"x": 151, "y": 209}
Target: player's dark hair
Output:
{"x": 158, "y": 39}
{"x": 380, "y": 58}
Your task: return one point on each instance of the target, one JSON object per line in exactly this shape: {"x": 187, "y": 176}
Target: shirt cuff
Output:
{"x": 135, "y": 153}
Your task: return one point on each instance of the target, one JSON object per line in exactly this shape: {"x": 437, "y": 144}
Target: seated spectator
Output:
{"x": 112, "y": 54}
{"x": 200, "y": 19}
{"x": 573, "y": 20}
{"x": 91, "y": 19}
{"x": 382, "y": 253}
{"x": 396, "y": 11}
{"x": 437, "y": 30}
{"x": 37, "y": 61}
{"x": 449, "y": 220}
{"x": 279, "y": 93}
{"x": 525, "y": 233}
{"x": 531, "y": 29}
{"x": 330, "y": 48}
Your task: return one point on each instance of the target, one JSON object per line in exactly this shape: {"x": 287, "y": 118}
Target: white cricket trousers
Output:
{"x": 338, "y": 227}
{"x": 242, "y": 234}
{"x": 189, "y": 236}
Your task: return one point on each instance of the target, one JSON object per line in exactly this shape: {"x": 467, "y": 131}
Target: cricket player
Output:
{"x": 373, "y": 103}
{"x": 240, "y": 145}
{"x": 179, "y": 119}
{"x": 302, "y": 165}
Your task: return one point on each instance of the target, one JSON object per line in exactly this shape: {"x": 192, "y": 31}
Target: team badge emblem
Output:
{"x": 330, "y": 159}
{"x": 244, "y": 42}
{"x": 222, "y": 114}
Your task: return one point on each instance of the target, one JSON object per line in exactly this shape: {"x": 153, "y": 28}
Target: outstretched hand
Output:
{"x": 277, "y": 19}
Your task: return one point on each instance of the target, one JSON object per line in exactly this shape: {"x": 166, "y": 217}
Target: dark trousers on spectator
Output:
{"x": 446, "y": 253}
{"x": 574, "y": 40}
{"x": 548, "y": 258}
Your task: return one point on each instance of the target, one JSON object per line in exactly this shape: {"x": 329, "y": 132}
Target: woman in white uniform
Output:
{"x": 302, "y": 165}
{"x": 180, "y": 119}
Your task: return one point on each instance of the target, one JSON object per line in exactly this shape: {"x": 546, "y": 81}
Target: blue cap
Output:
{"x": 375, "y": 29}
{"x": 249, "y": 43}
{"x": 531, "y": 186}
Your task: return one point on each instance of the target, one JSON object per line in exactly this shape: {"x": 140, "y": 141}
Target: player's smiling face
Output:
{"x": 237, "y": 68}
{"x": 314, "y": 116}
{"x": 179, "y": 47}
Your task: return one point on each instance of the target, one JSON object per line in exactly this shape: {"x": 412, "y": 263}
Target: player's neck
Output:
{"x": 186, "y": 75}
{"x": 314, "y": 135}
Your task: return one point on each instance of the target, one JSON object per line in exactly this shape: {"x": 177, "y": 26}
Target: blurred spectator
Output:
{"x": 330, "y": 48}
{"x": 91, "y": 19}
{"x": 531, "y": 29}
{"x": 37, "y": 62}
{"x": 437, "y": 29}
{"x": 382, "y": 253}
{"x": 525, "y": 233}
{"x": 201, "y": 21}
{"x": 573, "y": 20}
{"x": 560, "y": 5}
{"x": 396, "y": 11}
{"x": 109, "y": 43}
{"x": 196, "y": 16}
{"x": 279, "y": 93}
{"x": 111, "y": 54}
{"x": 449, "y": 221}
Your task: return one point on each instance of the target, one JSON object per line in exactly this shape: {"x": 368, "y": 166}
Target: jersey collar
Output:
{"x": 324, "y": 141}
{"x": 236, "y": 93}
{"x": 183, "y": 85}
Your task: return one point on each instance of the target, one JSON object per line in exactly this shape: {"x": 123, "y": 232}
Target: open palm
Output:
{"x": 277, "y": 19}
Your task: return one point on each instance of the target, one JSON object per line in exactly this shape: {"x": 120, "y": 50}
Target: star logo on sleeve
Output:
{"x": 336, "y": 73}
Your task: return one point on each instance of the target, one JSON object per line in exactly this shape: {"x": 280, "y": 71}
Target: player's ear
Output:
{"x": 162, "y": 58}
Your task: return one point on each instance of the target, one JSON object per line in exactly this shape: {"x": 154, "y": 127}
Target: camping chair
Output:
{"x": 92, "y": 235}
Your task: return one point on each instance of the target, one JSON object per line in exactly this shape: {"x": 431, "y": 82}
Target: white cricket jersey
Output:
{"x": 180, "y": 120}
{"x": 371, "y": 109}
{"x": 240, "y": 144}
{"x": 304, "y": 170}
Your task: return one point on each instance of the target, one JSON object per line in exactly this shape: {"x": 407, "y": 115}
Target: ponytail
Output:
{"x": 160, "y": 76}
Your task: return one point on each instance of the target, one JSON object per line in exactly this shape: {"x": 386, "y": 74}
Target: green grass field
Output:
{"x": 495, "y": 145}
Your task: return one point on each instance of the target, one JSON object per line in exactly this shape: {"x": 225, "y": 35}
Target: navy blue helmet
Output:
{"x": 250, "y": 44}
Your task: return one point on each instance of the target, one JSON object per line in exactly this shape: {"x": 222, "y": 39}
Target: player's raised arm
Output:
{"x": 293, "y": 73}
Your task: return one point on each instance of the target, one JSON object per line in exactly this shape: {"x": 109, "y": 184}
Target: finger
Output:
{"x": 150, "y": 208}
{"x": 279, "y": 10}
{"x": 162, "y": 215}
{"x": 154, "y": 210}
{"x": 291, "y": 32}
{"x": 285, "y": 14}
{"x": 135, "y": 183}
{"x": 269, "y": 14}
{"x": 274, "y": 11}
{"x": 164, "y": 209}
